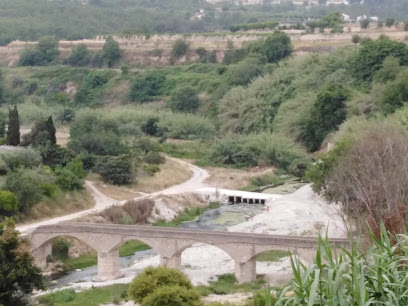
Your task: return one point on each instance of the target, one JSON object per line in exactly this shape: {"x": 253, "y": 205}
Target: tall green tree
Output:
{"x": 51, "y": 130}
{"x": 111, "y": 52}
{"x": 277, "y": 46}
{"x": 1, "y": 88}
{"x": 329, "y": 111}
{"x": 18, "y": 274}
{"x": 13, "y": 131}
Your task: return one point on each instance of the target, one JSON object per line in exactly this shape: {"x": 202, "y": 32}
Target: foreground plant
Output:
{"x": 352, "y": 277}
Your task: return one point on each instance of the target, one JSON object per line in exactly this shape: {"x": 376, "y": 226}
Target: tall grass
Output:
{"x": 378, "y": 276}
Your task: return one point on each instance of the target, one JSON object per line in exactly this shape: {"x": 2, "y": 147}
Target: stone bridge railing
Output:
{"x": 169, "y": 243}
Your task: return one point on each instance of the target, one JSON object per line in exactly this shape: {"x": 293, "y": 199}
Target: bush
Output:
{"x": 139, "y": 210}
{"x": 244, "y": 72}
{"x": 111, "y": 53}
{"x": 328, "y": 112}
{"x": 355, "y": 39}
{"x": 80, "y": 56}
{"x": 372, "y": 54}
{"x": 8, "y": 201}
{"x": 117, "y": 170}
{"x": 67, "y": 180}
{"x": 20, "y": 157}
{"x": 152, "y": 279}
{"x": 147, "y": 86}
{"x": 60, "y": 248}
{"x": 180, "y": 48}
{"x": 154, "y": 158}
{"x": 76, "y": 167}
{"x": 395, "y": 94}
{"x": 184, "y": 99}
{"x": 277, "y": 47}
{"x": 44, "y": 53}
{"x": 26, "y": 184}
{"x": 172, "y": 296}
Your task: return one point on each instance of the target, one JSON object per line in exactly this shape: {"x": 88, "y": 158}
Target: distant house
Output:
{"x": 345, "y": 17}
{"x": 359, "y": 18}
{"x": 374, "y": 18}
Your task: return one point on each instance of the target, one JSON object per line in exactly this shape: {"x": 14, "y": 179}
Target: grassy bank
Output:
{"x": 93, "y": 297}
{"x": 91, "y": 259}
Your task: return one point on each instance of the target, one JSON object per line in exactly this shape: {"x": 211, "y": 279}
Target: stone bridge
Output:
{"x": 169, "y": 243}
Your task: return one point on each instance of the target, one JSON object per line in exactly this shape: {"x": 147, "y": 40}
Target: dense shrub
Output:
{"x": 244, "y": 72}
{"x": 180, "y": 48}
{"x": 139, "y": 210}
{"x": 184, "y": 99}
{"x": 60, "y": 248}
{"x": 26, "y": 184}
{"x": 8, "y": 201}
{"x": 20, "y": 157}
{"x": 154, "y": 158}
{"x": 172, "y": 296}
{"x": 76, "y": 167}
{"x": 395, "y": 94}
{"x": 152, "y": 279}
{"x": 328, "y": 112}
{"x": 372, "y": 54}
{"x": 111, "y": 53}
{"x": 80, "y": 56}
{"x": 261, "y": 149}
{"x": 67, "y": 180}
{"x": 147, "y": 86}
{"x": 277, "y": 46}
{"x": 117, "y": 170}
{"x": 44, "y": 53}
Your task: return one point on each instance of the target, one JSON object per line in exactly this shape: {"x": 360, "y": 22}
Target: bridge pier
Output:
{"x": 172, "y": 262}
{"x": 245, "y": 272}
{"x": 108, "y": 266}
{"x": 41, "y": 254}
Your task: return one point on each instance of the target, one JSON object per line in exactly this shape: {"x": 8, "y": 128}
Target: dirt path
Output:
{"x": 102, "y": 201}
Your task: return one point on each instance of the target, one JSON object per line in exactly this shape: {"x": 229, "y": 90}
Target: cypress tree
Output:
{"x": 13, "y": 131}
{"x": 51, "y": 130}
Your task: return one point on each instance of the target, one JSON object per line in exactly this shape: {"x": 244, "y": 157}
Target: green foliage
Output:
{"x": 261, "y": 149}
{"x": 20, "y": 157}
{"x": 111, "y": 53}
{"x": 244, "y": 72}
{"x": 355, "y": 39}
{"x": 180, "y": 48}
{"x": 76, "y": 167}
{"x": 150, "y": 127}
{"x": 26, "y": 184}
{"x": 18, "y": 274}
{"x": 80, "y": 56}
{"x": 277, "y": 47}
{"x": 152, "y": 279}
{"x": 389, "y": 70}
{"x": 42, "y": 54}
{"x": 389, "y": 22}
{"x": 183, "y": 99}
{"x": 328, "y": 113}
{"x": 42, "y": 132}
{"x": 172, "y": 296}
{"x": 95, "y": 135}
{"x": 352, "y": 277}
{"x": 117, "y": 170}
{"x": 67, "y": 180}
{"x": 372, "y": 54}
{"x": 227, "y": 284}
{"x": 8, "y": 201}
{"x": 60, "y": 248}
{"x": 154, "y": 158}
{"x": 147, "y": 86}
{"x": 395, "y": 94}
{"x": 13, "y": 130}
{"x": 364, "y": 23}
{"x": 254, "y": 26}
